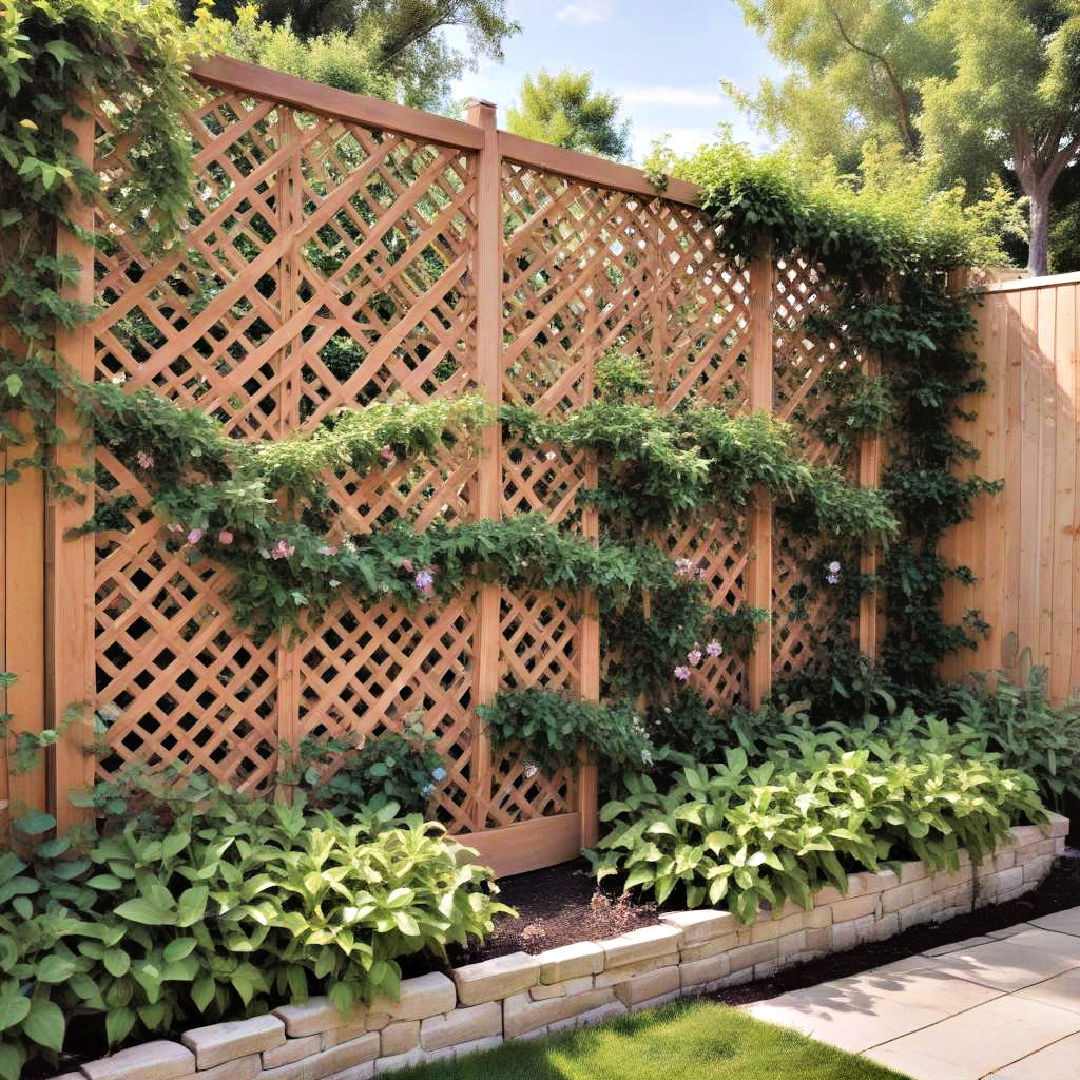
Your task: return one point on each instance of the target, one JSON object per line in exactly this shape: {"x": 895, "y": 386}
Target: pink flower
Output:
{"x": 282, "y": 550}
{"x": 714, "y": 649}
{"x": 328, "y": 549}
{"x": 682, "y": 673}
{"x": 387, "y": 453}
{"x": 407, "y": 565}
{"x": 194, "y": 536}
{"x": 694, "y": 656}
{"x": 225, "y": 537}
{"x": 144, "y": 460}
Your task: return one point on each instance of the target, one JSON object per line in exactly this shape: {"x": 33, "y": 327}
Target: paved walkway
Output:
{"x": 1003, "y": 1007}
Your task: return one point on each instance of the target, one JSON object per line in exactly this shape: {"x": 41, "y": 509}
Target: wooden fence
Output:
{"x": 1023, "y": 542}
{"x": 342, "y": 249}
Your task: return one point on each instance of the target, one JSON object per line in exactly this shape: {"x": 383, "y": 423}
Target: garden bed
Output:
{"x": 477, "y": 1006}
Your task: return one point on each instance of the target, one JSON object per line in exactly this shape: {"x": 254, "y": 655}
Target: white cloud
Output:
{"x": 681, "y": 97}
{"x": 584, "y": 12}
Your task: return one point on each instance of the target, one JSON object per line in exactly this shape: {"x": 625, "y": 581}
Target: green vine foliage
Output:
{"x": 887, "y": 265}
{"x": 55, "y": 55}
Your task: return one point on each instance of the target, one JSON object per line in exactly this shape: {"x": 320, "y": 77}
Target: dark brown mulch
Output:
{"x": 1059, "y": 891}
{"x": 557, "y": 906}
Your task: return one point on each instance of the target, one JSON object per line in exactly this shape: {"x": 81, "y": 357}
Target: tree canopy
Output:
{"x": 974, "y": 87}
{"x": 393, "y": 49}
{"x": 565, "y": 110}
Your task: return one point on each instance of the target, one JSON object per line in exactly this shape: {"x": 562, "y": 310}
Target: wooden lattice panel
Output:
{"x": 364, "y": 671}
{"x": 544, "y": 481}
{"x": 176, "y": 683}
{"x": 800, "y": 358}
{"x": 719, "y": 561}
{"x": 325, "y": 264}
{"x": 588, "y": 269}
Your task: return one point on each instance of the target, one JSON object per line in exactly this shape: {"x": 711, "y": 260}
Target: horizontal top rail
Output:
{"x": 592, "y": 169}
{"x": 357, "y": 108}
{"x": 1046, "y": 281}
{"x": 376, "y": 113}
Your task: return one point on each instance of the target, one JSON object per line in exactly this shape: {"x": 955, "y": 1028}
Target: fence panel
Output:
{"x": 1022, "y": 543}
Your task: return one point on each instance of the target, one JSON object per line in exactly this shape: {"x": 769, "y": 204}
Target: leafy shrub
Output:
{"x": 221, "y": 913}
{"x": 347, "y": 775}
{"x": 1021, "y": 725}
{"x": 776, "y": 831}
{"x": 551, "y": 727}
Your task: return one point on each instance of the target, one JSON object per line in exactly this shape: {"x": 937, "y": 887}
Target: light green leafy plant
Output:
{"x": 744, "y": 835}
{"x": 221, "y": 912}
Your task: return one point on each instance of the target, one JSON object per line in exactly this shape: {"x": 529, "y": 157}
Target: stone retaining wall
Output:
{"x": 522, "y": 996}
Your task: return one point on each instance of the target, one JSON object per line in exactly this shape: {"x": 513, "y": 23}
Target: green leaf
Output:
{"x": 44, "y": 1024}
{"x": 191, "y": 906}
{"x": 54, "y": 969}
{"x": 34, "y": 822}
{"x": 179, "y": 949}
{"x": 145, "y": 913}
{"x": 117, "y": 962}
{"x": 13, "y": 1010}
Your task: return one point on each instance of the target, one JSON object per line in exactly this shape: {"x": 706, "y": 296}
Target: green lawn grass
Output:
{"x": 681, "y": 1041}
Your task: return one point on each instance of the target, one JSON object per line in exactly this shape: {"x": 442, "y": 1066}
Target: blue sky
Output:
{"x": 663, "y": 59}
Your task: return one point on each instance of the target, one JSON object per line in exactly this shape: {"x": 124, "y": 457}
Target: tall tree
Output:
{"x": 565, "y": 110}
{"x": 979, "y": 86}
{"x": 392, "y": 48}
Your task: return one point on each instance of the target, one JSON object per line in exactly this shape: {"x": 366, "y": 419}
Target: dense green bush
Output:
{"x": 550, "y": 728}
{"x": 743, "y": 834}
{"x": 221, "y": 912}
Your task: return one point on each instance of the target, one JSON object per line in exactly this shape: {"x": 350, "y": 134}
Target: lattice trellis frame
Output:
{"x": 331, "y": 260}
{"x": 326, "y": 264}
{"x": 801, "y": 359}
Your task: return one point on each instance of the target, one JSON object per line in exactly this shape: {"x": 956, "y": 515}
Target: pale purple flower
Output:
{"x": 387, "y": 453}
{"x": 834, "y": 567}
{"x": 714, "y": 649}
{"x": 334, "y": 583}
{"x": 684, "y": 568}
{"x": 530, "y": 770}
{"x": 694, "y": 656}
{"x": 225, "y": 537}
{"x": 832, "y": 579}
{"x": 328, "y": 549}
{"x": 144, "y": 460}
{"x": 195, "y": 535}
{"x": 424, "y": 581}
{"x": 282, "y": 550}
{"x": 682, "y": 673}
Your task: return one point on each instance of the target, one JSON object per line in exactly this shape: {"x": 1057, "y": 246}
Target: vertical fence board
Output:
{"x": 760, "y": 588}
{"x": 70, "y": 562}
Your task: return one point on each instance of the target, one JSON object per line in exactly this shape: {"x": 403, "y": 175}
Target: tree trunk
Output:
{"x": 1039, "y": 223}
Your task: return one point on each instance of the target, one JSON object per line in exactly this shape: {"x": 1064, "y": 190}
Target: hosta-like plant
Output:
{"x": 226, "y": 911}
{"x": 739, "y": 835}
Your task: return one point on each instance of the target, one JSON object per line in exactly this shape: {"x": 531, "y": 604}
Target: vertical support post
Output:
{"x": 22, "y": 614}
{"x": 588, "y": 805}
{"x": 760, "y": 565}
{"x": 487, "y": 642}
{"x": 69, "y": 610}
{"x": 290, "y": 212}
{"x": 871, "y": 455}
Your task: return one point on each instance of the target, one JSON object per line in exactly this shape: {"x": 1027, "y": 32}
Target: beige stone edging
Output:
{"x": 522, "y": 996}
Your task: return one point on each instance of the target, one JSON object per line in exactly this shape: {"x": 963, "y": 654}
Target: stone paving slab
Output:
{"x": 1059, "y": 1061}
{"x": 1003, "y": 1007}
{"x": 973, "y": 1044}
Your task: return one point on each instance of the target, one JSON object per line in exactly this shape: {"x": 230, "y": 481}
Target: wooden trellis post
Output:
{"x": 487, "y": 643}
{"x": 69, "y": 569}
{"x": 760, "y": 566}
{"x": 871, "y": 454}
